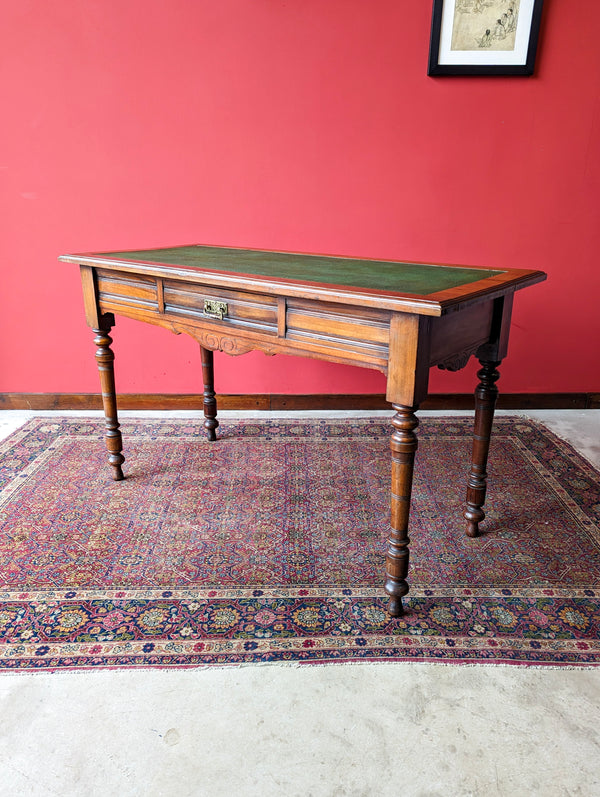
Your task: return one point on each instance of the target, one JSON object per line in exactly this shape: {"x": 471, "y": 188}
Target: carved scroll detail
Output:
{"x": 458, "y": 360}
{"x": 213, "y": 340}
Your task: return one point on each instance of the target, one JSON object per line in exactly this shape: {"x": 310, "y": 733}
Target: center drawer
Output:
{"x": 240, "y": 309}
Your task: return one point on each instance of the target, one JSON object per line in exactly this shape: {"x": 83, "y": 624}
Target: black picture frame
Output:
{"x": 524, "y": 61}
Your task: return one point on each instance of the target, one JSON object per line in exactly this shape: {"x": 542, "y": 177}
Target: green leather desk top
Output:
{"x": 404, "y": 278}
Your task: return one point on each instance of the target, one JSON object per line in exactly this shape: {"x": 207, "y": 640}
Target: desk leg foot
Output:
{"x": 105, "y": 360}
{"x": 210, "y": 401}
{"x": 485, "y": 404}
{"x": 404, "y": 446}
{"x": 395, "y": 607}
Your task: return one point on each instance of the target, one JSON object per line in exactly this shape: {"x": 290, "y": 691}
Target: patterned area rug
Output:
{"x": 268, "y": 546}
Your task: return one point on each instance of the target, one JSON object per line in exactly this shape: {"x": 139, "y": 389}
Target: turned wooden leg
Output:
{"x": 105, "y": 359}
{"x": 210, "y": 401}
{"x": 404, "y": 445}
{"x": 485, "y": 403}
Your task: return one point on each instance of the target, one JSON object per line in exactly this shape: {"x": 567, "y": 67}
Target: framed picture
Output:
{"x": 484, "y": 37}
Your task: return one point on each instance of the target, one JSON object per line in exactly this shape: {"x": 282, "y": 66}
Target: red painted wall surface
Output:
{"x": 308, "y": 126}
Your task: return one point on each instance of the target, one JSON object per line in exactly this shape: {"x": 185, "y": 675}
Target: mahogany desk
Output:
{"x": 401, "y": 318}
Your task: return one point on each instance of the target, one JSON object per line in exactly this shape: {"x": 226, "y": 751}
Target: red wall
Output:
{"x": 308, "y": 126}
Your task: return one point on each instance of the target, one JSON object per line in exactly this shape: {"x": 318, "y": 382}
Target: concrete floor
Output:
{"x": 356, "y": 730}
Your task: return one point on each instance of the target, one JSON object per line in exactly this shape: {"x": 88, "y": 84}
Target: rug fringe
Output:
{"x": 297, "y": 665}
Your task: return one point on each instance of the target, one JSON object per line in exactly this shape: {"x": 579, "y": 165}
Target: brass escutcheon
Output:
{"x": 215, "y": 309}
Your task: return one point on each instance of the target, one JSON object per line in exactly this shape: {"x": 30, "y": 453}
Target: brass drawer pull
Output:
{"x": 215, "y": 309}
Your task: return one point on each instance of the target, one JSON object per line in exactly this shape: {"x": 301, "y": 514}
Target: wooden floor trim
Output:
{"x": 162, "y": 401}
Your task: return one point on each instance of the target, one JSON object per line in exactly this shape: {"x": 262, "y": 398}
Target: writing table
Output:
{"x": 400, "y": 318}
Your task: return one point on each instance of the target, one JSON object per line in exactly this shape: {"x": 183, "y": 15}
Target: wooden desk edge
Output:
{"x": 453, "y": 299}
{"x": 435, "y": 304}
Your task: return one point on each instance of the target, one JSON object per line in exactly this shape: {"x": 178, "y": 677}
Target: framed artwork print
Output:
{"x": 484, "y": 37}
